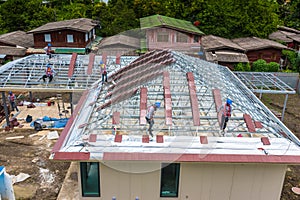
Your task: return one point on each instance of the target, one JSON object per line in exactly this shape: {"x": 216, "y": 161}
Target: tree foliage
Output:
{"x": 225, "y": 18}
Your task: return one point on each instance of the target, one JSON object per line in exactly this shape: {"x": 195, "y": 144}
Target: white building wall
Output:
{"x": 198, "y": 181}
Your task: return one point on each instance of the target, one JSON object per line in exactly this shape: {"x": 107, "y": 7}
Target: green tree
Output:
{"x": 232, "y": 19}
{"x": 24, "y": 15}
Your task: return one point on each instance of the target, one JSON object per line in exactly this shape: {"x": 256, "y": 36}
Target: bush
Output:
{"x": 292, "y": 59}
{"x": 260, "y": 66}
{"x": 242, "y": 67}
{"x": 273, "y": 67}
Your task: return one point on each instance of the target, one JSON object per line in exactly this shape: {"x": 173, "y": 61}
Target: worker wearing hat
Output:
{"x": 103, "y": 71}
{"x": 226, "y": 114}
{"x": 11, "y": 99}
{"x": 149, "y": 116}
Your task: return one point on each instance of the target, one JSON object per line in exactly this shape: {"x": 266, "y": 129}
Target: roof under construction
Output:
{"x": 73, "y": 73}
{"x": 187, "y": 124}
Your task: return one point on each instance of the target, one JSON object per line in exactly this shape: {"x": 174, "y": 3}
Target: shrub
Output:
{"x": 292, "y": 59}
{"x": 242, "y": 67}
{"x": 273, "y": 67}
{"x": 259, "y": 66}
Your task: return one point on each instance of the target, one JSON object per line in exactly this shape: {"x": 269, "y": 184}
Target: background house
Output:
{"x": 74, "y": 33}
{"x": 169, "y": 33}
{"x": 120, "y": 44}
{"x": 223, "y": 51}
{"x": 288, "y": 36}
{"x": 14, "y": 45}
{"x": 257, "y": 48}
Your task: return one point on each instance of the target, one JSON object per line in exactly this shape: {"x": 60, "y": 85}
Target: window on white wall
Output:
{"x": 86, "y": 37}
{"x": 70, "y": 39}
{"x": 47, "y": 37}
{"x": 169, "y": 180}
{"x": 90, "y": 179}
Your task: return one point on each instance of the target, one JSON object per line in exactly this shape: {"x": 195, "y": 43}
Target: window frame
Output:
{"x": 69, "y": 39}
{"x": 47, "y": 37}
{"x": 84, "y": 169}
{"x": 176, "y": 178}
{"x": 182, "y": 38}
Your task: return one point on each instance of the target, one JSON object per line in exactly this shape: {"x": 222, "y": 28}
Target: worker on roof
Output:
{"x": 12, "y": 101}
{"x": 226, "y": 114}
{"x": 103, "y": 71}
{"x": 49, "y": 73}
{"x": 48, "y": 50}
{"x": 149, "y": 116}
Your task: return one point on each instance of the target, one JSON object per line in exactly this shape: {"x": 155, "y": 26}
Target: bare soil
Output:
{"x": 30, "y": 155}
{"x": 292, "y": 121}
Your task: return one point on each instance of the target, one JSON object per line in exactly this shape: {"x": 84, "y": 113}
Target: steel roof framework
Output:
{"x": 25, "y": 74}
{"x": 264, "y": 82}
{"x": 208, "y": 76}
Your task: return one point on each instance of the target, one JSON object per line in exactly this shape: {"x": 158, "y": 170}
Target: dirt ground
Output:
{"x": 30, "y": 155}
{"x": 292, "y": 121}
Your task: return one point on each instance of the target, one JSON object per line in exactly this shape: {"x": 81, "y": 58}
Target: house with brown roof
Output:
{"x": 164, "y": 32}
{"x": 223, "y": 51}
{"x": 120, "y": 44}
{"x": 289, "y": 36}
{"x": 74, "y": 33}
{"x": 258, "y": 48}
{"x": 14, "y": 44}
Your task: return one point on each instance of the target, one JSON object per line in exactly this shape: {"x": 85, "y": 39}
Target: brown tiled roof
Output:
{"x": 80, "y": 24}
{"x": 211, "y": 42}
{"x": 17, "y": 38}
{"x": 291, "y": 30}
{"x": 122, "y": 40}
{"x": 254, "y": 43}
{"x": 281, "y": 36}
{"x": 295, "y": 37}
{"x": 14, "y": 51}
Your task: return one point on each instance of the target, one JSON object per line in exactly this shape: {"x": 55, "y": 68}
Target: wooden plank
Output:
{"x": 265, "y": 141}
{"x": 116, "y": 118}
{"x": 167, "y": 98}
{"x": 258, "y": 124}
{"x": 218, "y": 103}
{"x": 118, "y": 138}
{"x": 71, "y": 156}
{"x": 249, "y": 123}
{"x": 143, "y": 105}
{"x": 104, "y": 58}
{"x": 118, "y": 59}
{"x": 92, "y": 138}
{"x": 91, "y": 64}
{"x": 72, "y": 64}
{"x": 193, "y": 99}
{"x": 203, "y": 139}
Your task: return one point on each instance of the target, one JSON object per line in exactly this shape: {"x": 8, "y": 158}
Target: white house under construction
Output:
{"x": 188, "y": 158}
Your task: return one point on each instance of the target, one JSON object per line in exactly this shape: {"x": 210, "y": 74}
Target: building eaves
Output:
{"x": 254, "y": 43}
{"x": 212, "y": 43}
{"x": 80, "y": 24}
